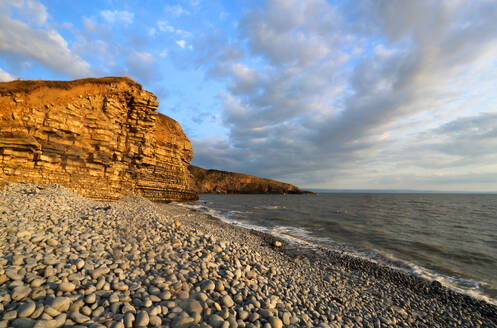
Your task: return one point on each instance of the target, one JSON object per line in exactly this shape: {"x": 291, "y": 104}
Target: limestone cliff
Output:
{"x": 100, "y": 137}
{"x": 221, "y": 182}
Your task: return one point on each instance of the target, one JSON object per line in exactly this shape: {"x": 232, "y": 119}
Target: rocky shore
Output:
{"x": 68, "y": 261}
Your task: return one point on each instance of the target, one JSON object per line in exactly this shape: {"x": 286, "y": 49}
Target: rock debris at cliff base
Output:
{"x": 66, "y": 261}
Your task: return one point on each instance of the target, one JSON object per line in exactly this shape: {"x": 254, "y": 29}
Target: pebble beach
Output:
{"x": 66, "y": 261}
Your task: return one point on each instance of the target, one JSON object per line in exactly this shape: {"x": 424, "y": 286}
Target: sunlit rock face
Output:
{"x": 101, "y": 138}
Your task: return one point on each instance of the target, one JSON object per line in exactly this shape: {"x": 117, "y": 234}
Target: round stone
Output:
{"x": 80, "y": 264}
{"x": 207, "y": 285}
{"x": 216, "y": 321}
{"x": 17, "y": 260}
{"x": 50, "y": 260}
{"x": 23, "y": 323}
{"x": 61, "y": 303}
{"x": 286, "y": 318}
{"x": 192, "y": 306}
{"x": 52, "y": 242}
{"x": 20, "y": 292}
{"x": 37, "y": 282}
{"x": 228, "y": 301}
{"x": 90, "y": 299}
{"x": 250, "y": 274}
{"x": 275, "y": 322}
{"x": 155, "y": 321}
{"x": 79, "y": 318}
{"x": 142, "y": 319}
{"x": 23, "y": 234}
{"x": 26, "y": 309}
{"x": 129, "y": 318}
{"x": 67, "y": 287}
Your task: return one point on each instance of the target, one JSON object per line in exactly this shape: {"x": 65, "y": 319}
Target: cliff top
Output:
{"x": 25, "y": 86}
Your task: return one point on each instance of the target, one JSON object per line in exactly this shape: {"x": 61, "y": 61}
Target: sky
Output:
{"x": 357, "y": 94}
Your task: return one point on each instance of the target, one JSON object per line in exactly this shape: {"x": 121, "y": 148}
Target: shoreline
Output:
{"x": 315, "y": 253}
{"x": 70, "y": 261}
{"x": 367, "y": 256}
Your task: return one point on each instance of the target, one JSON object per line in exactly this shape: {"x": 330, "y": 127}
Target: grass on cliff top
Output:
{"x": 29, "y": 85}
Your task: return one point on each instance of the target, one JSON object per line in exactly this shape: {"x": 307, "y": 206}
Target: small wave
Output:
{"x": 461, "y": 285}
{"x": 224, "y": 218}
{"x": 269, "y": 207}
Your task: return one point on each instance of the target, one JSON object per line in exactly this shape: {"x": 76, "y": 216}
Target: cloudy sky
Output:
{"x": 323, "y": 94}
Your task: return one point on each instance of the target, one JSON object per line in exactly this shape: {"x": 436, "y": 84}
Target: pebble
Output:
{"x": 52, "y": 242}
{"x": 61, "y": 303}
{"x": 17, "y": 260}
{"x": 20, "y": 293}
{"x": 216, "y": 321}
{"x": 23, "y": 323}
{"x": 275, "y": 322}
{"x": 92, "y": 298}
{"x": 26, "y": 309}
{"x": 142, "y": 319}
{"x": 37, "y": 282}
{"x": 9, "y": 315}
{"x": 67, "y": 287}
{"x": 228, "y": 301}
{"x": 207, "y": 285}
{"x": 23, "y": 234}
{"x": 13, "y": 274}
{"x": 192, "y": 306}
{"x": 129, "y": 318}
{"x": 155, "y": 321}
{"x": 80, "y": 264}
{"x": 79, "y": 318}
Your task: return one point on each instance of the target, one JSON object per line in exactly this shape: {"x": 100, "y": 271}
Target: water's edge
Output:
{"x": 374, "y": 262}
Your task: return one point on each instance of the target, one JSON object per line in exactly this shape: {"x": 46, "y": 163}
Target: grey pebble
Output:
{"x": 26, "y": 309}
{"x": 20, "y": 293}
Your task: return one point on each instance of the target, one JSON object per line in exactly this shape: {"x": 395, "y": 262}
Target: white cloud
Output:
{"x": 116, "y": 16}
{"x": 5, "y": 77}
{"x": 32, "y": 12}
{"x": 165, "y": 27}
{"x": 20, "y": 43}
{"x": 184, "y": 34}
{"x": 145, "y": 57}
{"x": 176, "y": 10}
{"x": 181, "y": 43}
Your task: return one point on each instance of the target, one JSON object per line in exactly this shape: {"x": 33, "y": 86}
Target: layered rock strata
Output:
{"x": 221, "y": 182}
{"x": 101, "y": 138}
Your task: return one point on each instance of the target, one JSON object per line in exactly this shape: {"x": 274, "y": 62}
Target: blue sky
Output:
{"x": 324, "y": 94}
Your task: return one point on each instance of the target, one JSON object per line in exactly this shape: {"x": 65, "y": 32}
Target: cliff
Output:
{"x": 221, "y": 182}
{"x": 101, "y": 138}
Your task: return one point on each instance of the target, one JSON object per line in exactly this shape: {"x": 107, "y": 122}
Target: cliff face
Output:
{"x": 221, "y": 182}
{"x": 101, "y": 138}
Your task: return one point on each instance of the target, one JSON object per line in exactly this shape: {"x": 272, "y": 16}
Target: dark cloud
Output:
{"x": 327, "y": 92}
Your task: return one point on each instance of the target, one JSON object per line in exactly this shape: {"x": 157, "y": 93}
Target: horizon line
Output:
{"x": 396, "y": 191}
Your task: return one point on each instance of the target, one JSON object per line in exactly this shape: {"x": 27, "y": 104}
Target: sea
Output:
{"x": 451, "y": 238}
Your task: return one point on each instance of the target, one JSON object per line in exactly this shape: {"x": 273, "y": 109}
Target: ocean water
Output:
{"x": 451, "y": 238}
